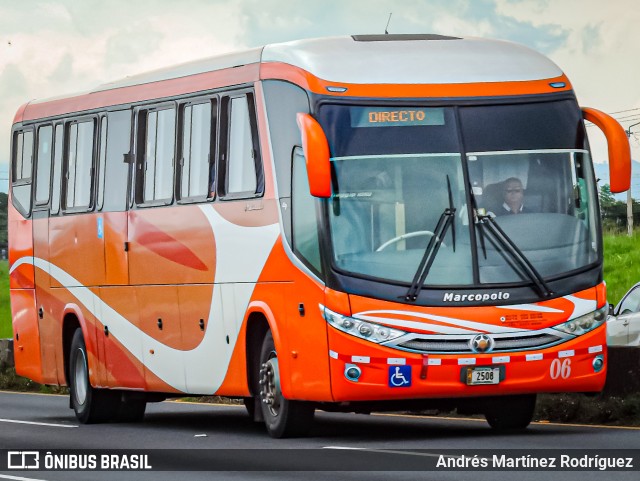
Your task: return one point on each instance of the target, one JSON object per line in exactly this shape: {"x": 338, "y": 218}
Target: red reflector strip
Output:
{"x": 427, "y": 360}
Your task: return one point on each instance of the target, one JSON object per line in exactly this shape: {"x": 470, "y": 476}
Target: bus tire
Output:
{"x": 282, "y": 417}
{"x": 510, "y": 413}
{"x": 90, "y": 405}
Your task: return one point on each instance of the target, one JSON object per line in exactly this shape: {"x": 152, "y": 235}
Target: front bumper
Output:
{"x": 567, "y": 367}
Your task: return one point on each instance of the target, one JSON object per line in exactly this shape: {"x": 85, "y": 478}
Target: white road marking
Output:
{"x": 16, "y": 421}
{"x": 391, "y": 451}
{"x": 16, "y": 478}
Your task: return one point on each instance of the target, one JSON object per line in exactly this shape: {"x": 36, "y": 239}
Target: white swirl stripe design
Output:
{"x": 464, "y": 326}
{"x": 240, "y": 252}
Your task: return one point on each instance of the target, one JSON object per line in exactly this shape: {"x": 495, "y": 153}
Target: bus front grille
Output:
{"x": 460, "y": 344}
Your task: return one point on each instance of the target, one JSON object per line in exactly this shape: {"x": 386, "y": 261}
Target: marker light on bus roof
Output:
{"x": 337, "y": 89}
{"x": 558, "y": 85}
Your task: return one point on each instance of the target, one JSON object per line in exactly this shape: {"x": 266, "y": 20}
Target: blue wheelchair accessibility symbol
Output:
{"x": 399, "y": 376}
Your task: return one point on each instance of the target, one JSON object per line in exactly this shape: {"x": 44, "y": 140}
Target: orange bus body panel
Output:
{"x": 20, "y": 246}
{"x": 26, "y": 334}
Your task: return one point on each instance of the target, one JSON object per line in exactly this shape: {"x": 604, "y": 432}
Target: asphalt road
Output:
{"x": 42, "y": 422}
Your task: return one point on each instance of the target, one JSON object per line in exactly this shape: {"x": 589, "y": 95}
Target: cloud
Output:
{"x": 62, "y": 46}
{"x": 599, "y": 55}
{"x": 269, "y": 21}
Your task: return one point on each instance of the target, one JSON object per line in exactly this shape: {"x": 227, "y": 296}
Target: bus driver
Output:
{"x": 513, "y": 194}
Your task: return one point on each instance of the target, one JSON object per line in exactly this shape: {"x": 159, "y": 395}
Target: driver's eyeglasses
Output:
{"x": 514, "y": 191}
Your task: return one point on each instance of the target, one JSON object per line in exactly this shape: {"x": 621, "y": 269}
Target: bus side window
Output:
{"x": 241, "y": 167}
{"x": 102, "y": 161}
{"x": 78, "y": 175}
{"x": 196, "y": 150}
{"x": 58, "y": 148}
{"x": 43, "y": 165}
{"x": 306, "y": 243}
{"x": 22, "y": 164}
{"x": 114, "y": 175}
{"x": 156, "y": 151}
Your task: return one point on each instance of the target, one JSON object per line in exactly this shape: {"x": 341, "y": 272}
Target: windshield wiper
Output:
{"x": 446, "y": 220}
{"x": 486, "y": 220}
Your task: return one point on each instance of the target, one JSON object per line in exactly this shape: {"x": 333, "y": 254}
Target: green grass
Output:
{"x": 621, "y": 264}
{"x": 5, "y": 308}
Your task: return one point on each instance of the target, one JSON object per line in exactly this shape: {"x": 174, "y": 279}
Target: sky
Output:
{"x": 55, "y": 47}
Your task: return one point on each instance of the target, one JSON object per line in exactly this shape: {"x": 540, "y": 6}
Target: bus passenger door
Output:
{"x": 119, "y": 351}
{"x": 114, "y": 171}
{"x": 48, "y": 326}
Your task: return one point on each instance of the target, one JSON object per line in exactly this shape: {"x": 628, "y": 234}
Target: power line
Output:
{"x": 624, "y": 120}
{"x": 622, "y": 111}
{"x": 627, "y": 117}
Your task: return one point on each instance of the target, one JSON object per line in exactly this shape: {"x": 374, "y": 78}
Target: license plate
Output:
{"x": 483, "y": 375}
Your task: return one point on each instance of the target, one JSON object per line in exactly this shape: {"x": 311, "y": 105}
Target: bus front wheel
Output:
{"x": 283, "y": 418}
{"x": 510, "y": 413}
{"x": 90, "y": 405}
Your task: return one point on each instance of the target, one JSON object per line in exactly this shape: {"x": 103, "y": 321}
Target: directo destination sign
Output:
{"x": 395, "y": 117}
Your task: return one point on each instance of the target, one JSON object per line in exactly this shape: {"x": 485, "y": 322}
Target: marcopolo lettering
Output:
{"x": 485, "y": 297}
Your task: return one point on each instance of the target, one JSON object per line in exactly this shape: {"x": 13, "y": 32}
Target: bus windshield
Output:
{"x": 524, "y": 168}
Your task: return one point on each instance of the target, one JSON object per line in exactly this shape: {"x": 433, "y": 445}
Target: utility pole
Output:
{"x": 629, "y": 199}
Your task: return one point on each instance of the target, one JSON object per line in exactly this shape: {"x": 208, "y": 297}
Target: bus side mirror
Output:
{"x": 316, "y": 153}
{"x": 618, "y": 146}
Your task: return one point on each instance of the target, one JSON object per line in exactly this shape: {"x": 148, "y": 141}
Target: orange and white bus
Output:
{"x": 315, "y": 225}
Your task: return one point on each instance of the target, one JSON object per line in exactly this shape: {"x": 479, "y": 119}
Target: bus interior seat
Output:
{"x": 493, "y": 198}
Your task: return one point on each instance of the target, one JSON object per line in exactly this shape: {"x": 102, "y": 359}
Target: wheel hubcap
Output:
{"x": 270, "y": 393}
{"x": 80, "y": 378}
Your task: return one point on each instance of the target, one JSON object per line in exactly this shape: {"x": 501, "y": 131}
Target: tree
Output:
{"x": 606, "y": 197}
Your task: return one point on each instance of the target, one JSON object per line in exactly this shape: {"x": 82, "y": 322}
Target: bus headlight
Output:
{"x": 363, "y": 329}
{"x": 583, "y": 324}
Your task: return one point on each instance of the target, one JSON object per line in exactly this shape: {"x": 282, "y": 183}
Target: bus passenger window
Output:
{"x": 21, "y": 175}
{"x": 158, "y": 155}
{"x": 242, "y": 161}
{"x": 114, "y": 174}
{"x": 195, "y": 151}
{"x": 24, "y": 156}
{"x": 79, "y": 181}
{"x": 102, "y": 161}
{"x": 57, "y": 169}
{"x": 43, "y": 170}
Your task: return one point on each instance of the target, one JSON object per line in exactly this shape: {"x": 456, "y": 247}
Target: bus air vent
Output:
{"x": 459, "y": 344}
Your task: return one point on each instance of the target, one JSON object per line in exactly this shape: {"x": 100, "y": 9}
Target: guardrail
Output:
{"x": 6, "y": 353}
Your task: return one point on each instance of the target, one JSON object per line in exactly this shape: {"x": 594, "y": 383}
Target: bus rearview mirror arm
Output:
{"x": 618, "y": 147}
{"x": 316, "y": 153}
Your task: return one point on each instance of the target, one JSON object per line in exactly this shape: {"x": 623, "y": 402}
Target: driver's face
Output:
{"x": 513, "y": 191}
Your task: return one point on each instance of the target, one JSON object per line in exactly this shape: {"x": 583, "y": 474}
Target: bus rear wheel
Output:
{"x": 91, "y": 405}
{"x": 283, "y": 418}
{"x": 510, "y": 413}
